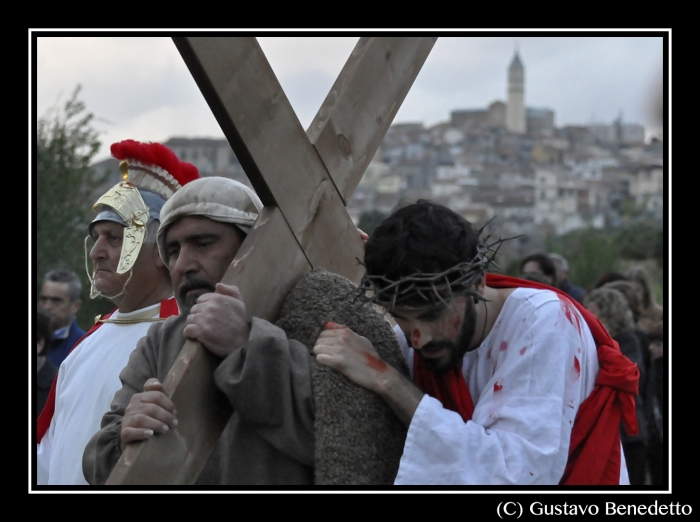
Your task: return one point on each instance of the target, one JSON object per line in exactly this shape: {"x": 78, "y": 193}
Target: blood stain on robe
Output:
{"x": 522, "y": 350}
{"x": 497, "y": 387}
{"x": 566, "y": 307}
{"x": 504, "y": 346}
{"x": 577, "y": 367}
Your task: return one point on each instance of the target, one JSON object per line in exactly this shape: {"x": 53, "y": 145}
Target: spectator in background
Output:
{"x": 561, "y": 279}
{"x": 657, "y": 452}
{"x": 652, "y": 314}
{"x": 609, "y": 277}
{"x": 628, "y": 290}
{"x": 610, "y": 306}
{"x": 45, "y": 369}
{"x": 60, "y": 297}
{"x": 538, "y": 267}
{"x": 652, "y": 392}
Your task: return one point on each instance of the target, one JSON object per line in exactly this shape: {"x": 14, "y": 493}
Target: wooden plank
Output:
{"x": 354, "y": 117}
{"x": 267, "y": 266}
{"x": 249, "y": 104}
{"x": 265, "y": 269}
{"x": 180, "y": 454}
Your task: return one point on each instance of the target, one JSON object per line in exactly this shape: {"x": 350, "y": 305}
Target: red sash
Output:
{"x": 168, "y": 307}
{"x": 449, "y": 388}
{"x": 594, "y": 451}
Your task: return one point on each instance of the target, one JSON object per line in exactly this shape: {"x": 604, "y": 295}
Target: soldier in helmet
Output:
{"x": 126, "y": 269}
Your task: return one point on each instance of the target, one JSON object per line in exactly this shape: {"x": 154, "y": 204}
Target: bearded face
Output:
{"x": 440, "y": 334}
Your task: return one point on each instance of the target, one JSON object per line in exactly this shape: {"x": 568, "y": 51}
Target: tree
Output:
{"x": 641, "y": 240}
{"x": 369, "y": 220}
{"x": 590, "y": 253}
{"x": 66, "y": 186}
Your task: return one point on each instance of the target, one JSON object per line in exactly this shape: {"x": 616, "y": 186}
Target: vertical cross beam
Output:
{"x": 304, "y": 180}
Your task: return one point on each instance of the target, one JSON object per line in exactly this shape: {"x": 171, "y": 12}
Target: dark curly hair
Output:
{"x": 544, "y": 261}
{"x": 421, "y": 238}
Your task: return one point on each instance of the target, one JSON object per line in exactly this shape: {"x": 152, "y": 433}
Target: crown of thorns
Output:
{"x": 434, "y": 287}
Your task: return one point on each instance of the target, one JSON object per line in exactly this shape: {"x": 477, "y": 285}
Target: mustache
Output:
{"x": 434, "y": 346}
{"x": 192, "y": 283}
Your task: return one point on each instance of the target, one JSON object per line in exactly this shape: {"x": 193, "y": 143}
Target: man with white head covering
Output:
{"x": 265, "y": 376}
{"x": 127, "y": 270}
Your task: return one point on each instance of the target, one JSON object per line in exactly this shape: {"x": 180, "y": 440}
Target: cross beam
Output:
{"x": 304, "y": 180}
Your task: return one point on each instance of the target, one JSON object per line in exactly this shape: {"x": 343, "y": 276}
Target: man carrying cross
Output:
{"x": 265, "y": 376}
{"x": 513, "y": 382}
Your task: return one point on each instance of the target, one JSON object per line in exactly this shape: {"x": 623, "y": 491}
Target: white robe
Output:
{"x": 87, "y": 381}
{"x": 527, "y": 380}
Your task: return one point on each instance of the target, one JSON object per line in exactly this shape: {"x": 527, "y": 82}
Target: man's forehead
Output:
{"x": 112, "y": 227}
{"x": 197, "y": 225}
{"x": 55, "y": 289}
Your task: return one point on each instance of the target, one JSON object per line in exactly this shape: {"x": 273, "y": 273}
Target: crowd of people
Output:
{"x": 506, "y": 381}
{"x": 626, "y": 306}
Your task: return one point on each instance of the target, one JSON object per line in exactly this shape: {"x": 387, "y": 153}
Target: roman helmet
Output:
{"x": 151, "y": 173}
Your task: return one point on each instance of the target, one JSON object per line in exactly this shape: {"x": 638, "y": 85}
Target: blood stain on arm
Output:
{"x": 375, "y": 363}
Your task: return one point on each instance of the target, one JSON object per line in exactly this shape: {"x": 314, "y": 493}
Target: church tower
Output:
{"x": 515, "y": 108}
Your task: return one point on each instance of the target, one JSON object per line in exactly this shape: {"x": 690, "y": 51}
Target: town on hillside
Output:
{"x": 507, "y": 162}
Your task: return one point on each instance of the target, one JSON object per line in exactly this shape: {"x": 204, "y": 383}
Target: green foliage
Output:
{"x": 632, "y": 210}
{"x": 512, "y": 267}
{"x": 641, "y": 240}
{"x": 66, "y": 187}
{"x": 590, "y": 253}
{"x": 370, "y": 220}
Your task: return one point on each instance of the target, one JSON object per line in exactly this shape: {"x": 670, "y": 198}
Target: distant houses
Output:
{"x": 503, "y": 161}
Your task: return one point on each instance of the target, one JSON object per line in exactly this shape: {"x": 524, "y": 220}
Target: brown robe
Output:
{"x": 295, "y": 423}
{"x": 269, "y": 438}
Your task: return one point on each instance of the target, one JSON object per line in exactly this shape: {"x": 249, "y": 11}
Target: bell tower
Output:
{"x": 515, "y": 107}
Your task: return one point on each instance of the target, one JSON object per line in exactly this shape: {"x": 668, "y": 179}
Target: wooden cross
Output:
{"x": 304, "y": 180}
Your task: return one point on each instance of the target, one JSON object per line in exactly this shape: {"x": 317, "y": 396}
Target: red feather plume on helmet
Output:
{"x": 158, "y": 155}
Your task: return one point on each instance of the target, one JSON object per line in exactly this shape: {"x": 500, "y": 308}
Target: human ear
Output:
{"x": 157, "y": 259}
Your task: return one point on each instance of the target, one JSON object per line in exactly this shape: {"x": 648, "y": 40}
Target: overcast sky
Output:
{"x": 139, "y": 87}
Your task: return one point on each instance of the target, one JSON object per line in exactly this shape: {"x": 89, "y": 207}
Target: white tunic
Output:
{"x": 527, "y": 380}
{"x": 87, "y": 381}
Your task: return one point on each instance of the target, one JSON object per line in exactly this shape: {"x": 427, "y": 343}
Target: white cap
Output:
{"x": 219, "y": 199}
